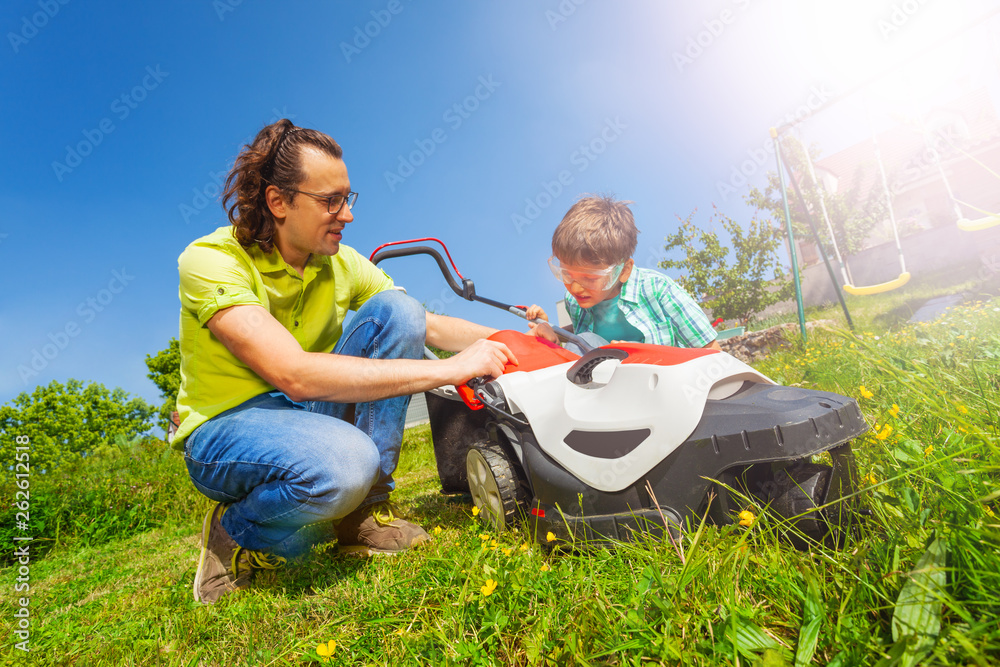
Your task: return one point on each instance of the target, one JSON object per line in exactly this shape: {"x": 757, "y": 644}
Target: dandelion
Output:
{"x": 326, "y": 650}
{"x": 884, "y": 433}
{"x": 545, "y": 566}
{"x": 930, "y": 448}
{"x": 475, "y": 510}
{"x": 864, "y": 392}
{"x": 894, "y": 410}
{"x": 550, "y": 536}
{"x": 489, "y": 587}
{"x": 747, "y": 518}
{"x": 437, "y": 530}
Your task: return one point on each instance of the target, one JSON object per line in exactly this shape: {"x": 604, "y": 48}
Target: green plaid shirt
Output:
{"x": 658, "y": 307}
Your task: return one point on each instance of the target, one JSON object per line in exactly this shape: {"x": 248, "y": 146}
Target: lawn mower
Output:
{"x": 631, "y": 439}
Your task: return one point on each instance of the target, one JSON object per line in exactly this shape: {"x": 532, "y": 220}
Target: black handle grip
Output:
{"x": 581, "y": 372}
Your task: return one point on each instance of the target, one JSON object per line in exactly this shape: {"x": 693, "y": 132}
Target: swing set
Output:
{"x": 846, "y": 283}
{"x": 874, "y": 84}
{"x": 964, "y": 223}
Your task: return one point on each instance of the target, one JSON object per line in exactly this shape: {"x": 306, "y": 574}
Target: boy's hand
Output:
{"x": 543, "y": 330}
{"x": 535, "y": 312}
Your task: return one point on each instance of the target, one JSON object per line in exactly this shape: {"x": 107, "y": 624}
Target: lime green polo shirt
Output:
{"x": 216, "y": 272}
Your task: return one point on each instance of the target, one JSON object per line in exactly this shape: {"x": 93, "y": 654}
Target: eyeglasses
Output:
{"x": 588, "y": 278}
{"x": 333, "y": 203}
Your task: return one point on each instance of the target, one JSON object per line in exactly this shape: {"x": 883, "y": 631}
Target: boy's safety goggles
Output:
{"x": 586, "y": 277}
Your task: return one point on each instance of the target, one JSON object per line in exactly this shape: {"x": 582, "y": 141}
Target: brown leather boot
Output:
{"x": 378, "y": 529}
{"x": 224, "y": 566}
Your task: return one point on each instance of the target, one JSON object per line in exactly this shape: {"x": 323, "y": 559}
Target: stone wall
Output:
{"x": 755, "y": 345}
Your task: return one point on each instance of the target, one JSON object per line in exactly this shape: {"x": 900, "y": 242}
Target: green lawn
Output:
{"x": 115, "y": 588}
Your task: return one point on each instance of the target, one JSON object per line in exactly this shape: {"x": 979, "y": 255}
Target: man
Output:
{"x": 263, "y": 400}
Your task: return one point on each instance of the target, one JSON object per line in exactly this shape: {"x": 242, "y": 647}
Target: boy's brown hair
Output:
{"x": 596, "y": 230}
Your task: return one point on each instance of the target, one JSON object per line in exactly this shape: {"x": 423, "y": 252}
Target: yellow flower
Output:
{"x": 545, "y": 567}
{"x": 494, "y": 544}
{"x": 884, "y": 433}
{"x": 986, "y": 508}
{"x": 550, "y": 537}
{"x": 484, "y": 536}
{"x": 437, "y": 530}
{"x": 961, "y": 408}
{"x": 746, "y": 518}
{"x": 930, "y": 448}
{"x": 864, "y": 392}
{"x": 326, "y": 650}
{"x": 894, "y": 410}
{"x": 524, "y": 547}
{"x": 871, "y": 479}
{"x": 489, "y": 587}
{"x": 507, "y": 551}
{"x": 475, "y": 510}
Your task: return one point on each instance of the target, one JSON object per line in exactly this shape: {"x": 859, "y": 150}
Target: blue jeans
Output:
{"x": 287, "y": 468}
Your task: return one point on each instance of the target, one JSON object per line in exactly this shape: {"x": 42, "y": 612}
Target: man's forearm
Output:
{"x": 345, "y": 379}
{"x": 454, "y": 334}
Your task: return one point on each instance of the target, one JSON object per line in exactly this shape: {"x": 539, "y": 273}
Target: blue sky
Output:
{"x": 457, "y": 119}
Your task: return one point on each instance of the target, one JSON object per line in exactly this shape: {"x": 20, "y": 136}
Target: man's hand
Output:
{"x": 482, "y": 358}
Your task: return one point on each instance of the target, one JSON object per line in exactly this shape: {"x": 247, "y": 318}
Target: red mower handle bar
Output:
{"x": 467, "y": 290}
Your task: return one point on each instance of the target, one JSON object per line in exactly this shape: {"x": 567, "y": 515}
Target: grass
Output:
{"x": 737, "y": 596}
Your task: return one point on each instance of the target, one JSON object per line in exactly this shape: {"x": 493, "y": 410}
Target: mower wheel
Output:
{"x": 495, "y": 485}
{"x": 796, "y": 493}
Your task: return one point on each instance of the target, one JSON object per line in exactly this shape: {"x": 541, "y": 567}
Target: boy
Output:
{"x": 610, "y": 299}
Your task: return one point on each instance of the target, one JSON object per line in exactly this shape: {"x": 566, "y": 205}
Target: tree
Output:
{"x": 740, "y": 290}
{"x": 853, "y": 212}
{"x": 165, "y": 372}
{"x": 64, "y": 421}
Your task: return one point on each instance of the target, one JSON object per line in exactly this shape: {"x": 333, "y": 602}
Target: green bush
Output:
{"x": 165, "y": 372}
{"x": 63, "y": 422}
{"x": 120, "y": 490}
{"x": 737, "y": 288}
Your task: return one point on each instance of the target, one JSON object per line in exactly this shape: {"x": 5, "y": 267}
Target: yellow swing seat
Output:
{"x": 982, "y": 223}
{"x": 881, "y": 287}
